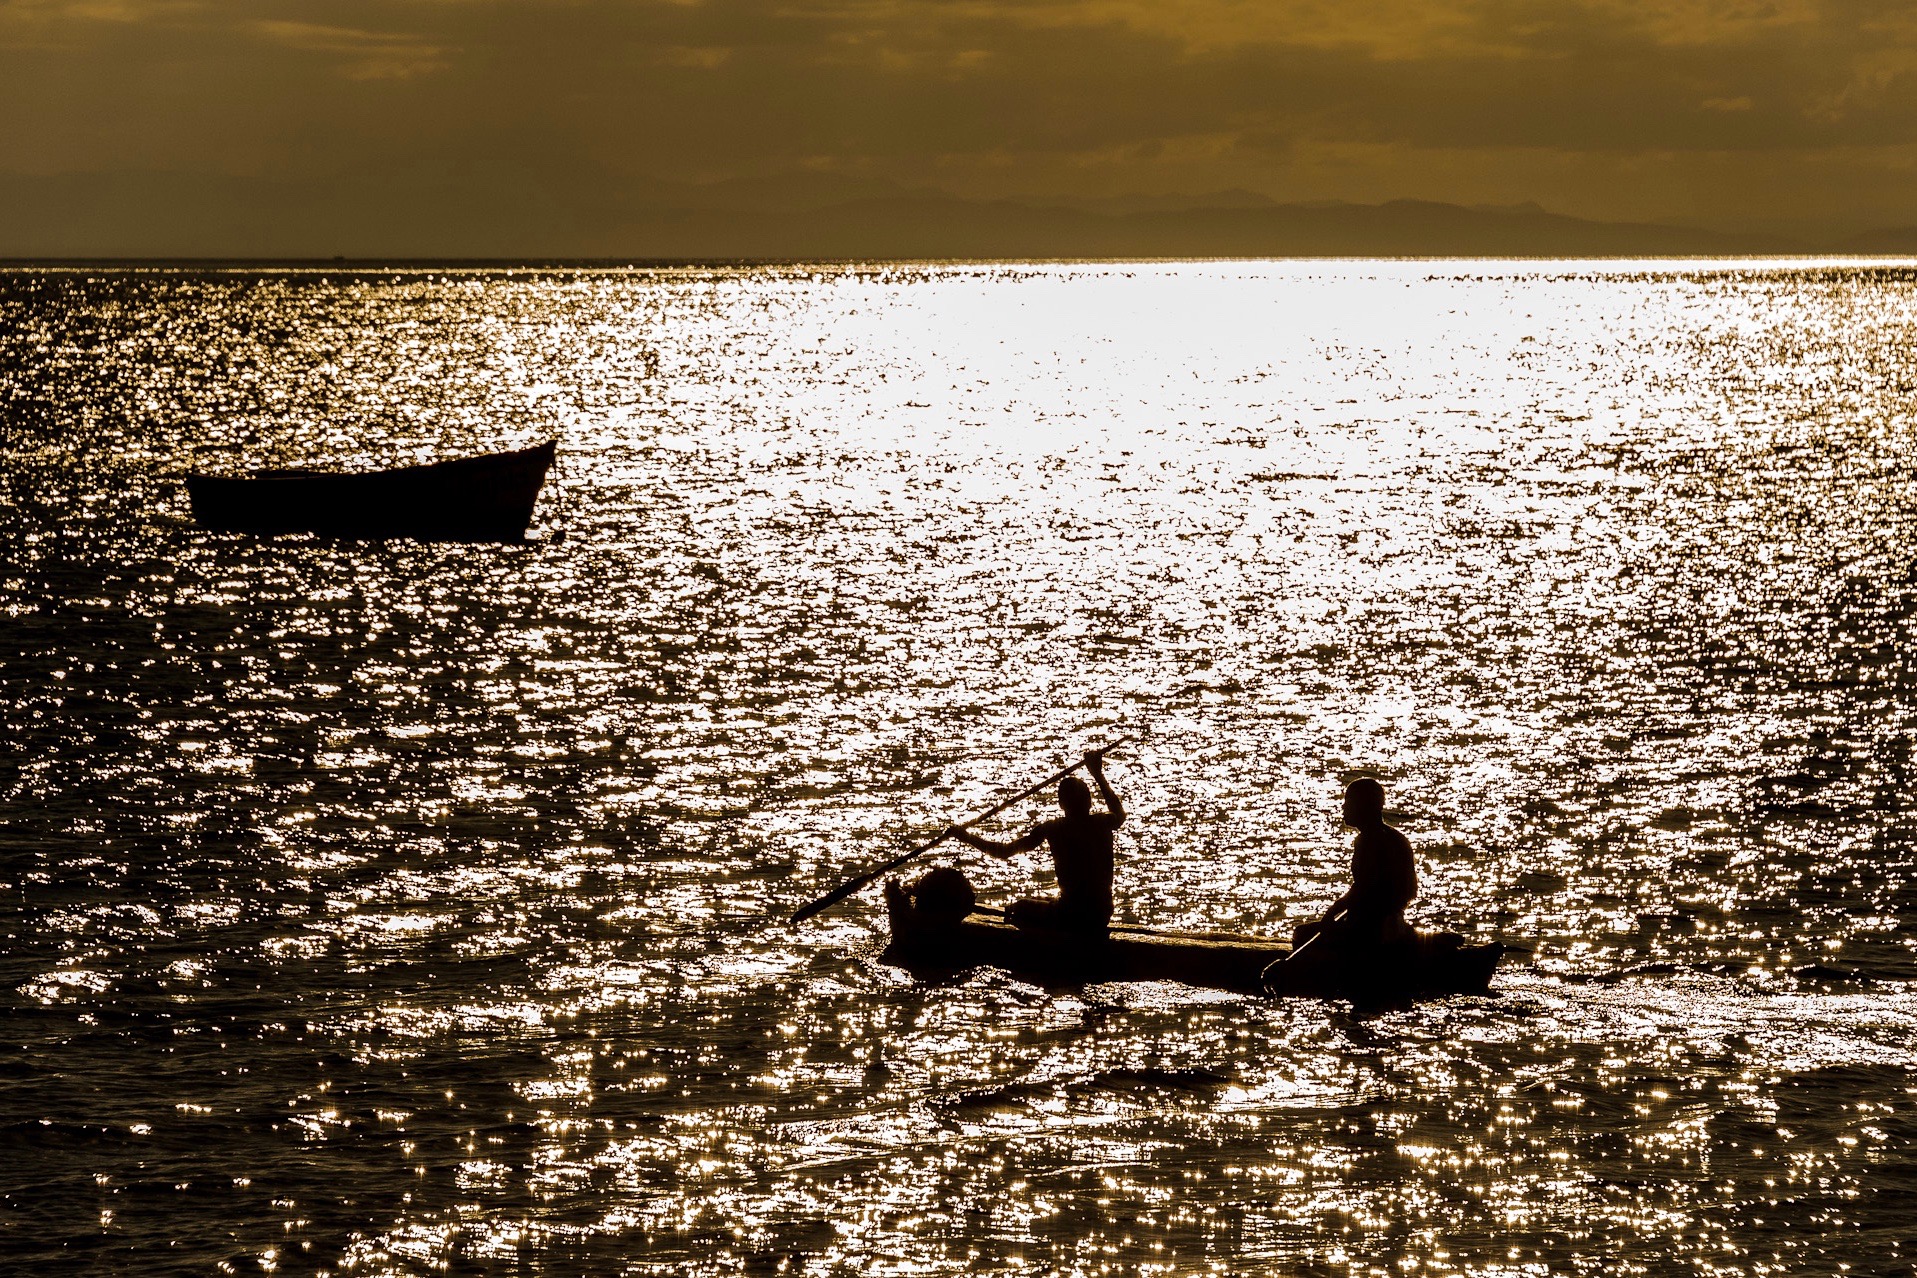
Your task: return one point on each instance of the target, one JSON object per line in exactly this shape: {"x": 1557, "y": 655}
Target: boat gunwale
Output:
{"x": 416, "y": 470}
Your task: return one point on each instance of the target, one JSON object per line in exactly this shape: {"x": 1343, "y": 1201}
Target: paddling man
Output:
{"x": 1384, "y": 876}
{"x": 1081, "y": 842}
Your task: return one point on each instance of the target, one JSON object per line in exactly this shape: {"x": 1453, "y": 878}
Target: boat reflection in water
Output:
{"x": 487, "y": 498}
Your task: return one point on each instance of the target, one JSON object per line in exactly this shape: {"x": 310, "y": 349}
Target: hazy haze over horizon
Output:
{"x": 394, "y": 127}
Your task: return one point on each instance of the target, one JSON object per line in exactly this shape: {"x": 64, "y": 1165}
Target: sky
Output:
{"x": 460, "y": 123}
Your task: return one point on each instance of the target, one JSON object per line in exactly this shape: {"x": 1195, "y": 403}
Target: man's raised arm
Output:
{"x": 1095, "y": 764}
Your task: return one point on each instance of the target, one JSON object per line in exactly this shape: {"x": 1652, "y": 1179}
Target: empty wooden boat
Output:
{"x": 488, "y": 498}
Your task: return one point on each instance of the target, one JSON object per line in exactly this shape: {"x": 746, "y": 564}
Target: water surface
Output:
{"x": 385, "y": 909}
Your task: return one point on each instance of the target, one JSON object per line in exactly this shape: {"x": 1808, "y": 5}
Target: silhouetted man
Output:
{"x": 1384, "y": 876}
{"x": 1081, "y": 842}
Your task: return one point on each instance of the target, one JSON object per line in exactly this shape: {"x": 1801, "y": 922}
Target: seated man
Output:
{"x": 1384, "y": 877}
{"x": 1081, "y": 842}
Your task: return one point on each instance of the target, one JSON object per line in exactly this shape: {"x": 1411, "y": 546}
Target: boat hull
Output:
{"x": 486, "y": 498}
{"x": 1437, "y": 966}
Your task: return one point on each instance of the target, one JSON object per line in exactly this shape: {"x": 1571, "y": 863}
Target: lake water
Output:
{"x": 401, "y": 909}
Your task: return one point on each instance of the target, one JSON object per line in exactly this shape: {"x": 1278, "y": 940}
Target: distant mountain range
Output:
{"x": 547, "y": 217}
{"x": 941, "y": 226}
{"x": 1898, "y": 241}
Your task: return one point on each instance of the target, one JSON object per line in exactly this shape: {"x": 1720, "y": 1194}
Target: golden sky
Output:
{"x": 1798, "y": 114}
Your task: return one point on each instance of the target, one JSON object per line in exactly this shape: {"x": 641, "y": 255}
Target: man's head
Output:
{"x": 1074, "y": 796}
{"x": 1364, "y": 802}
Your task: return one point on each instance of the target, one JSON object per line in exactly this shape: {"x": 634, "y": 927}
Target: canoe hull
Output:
{"x": 1441, "y": 966}
{"x": 1430, "y": 965}
{"x": 486, "y": 498}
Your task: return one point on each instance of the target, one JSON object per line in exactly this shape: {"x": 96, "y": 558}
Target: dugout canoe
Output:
{"x": 1437, "y": 965}
{"x": 487, "y": 498}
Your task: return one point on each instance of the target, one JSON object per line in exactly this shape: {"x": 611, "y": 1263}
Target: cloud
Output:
{"x": 606, "y": 99}
{"x": 362, "y": 55}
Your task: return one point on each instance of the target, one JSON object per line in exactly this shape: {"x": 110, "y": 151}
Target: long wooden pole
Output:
{"x": 850, "y": 886}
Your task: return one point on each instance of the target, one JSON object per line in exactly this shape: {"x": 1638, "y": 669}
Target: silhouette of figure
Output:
{"x": 941, "y": 896}
{"x": 1384, "y": 877}
{"x": 1081, "y": 843}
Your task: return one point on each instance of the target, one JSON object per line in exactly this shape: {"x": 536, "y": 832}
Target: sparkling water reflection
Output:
{"x": 385, "y": 909}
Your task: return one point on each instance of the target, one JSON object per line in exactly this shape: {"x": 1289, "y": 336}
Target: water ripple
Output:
{"x": 384, "y": 909}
